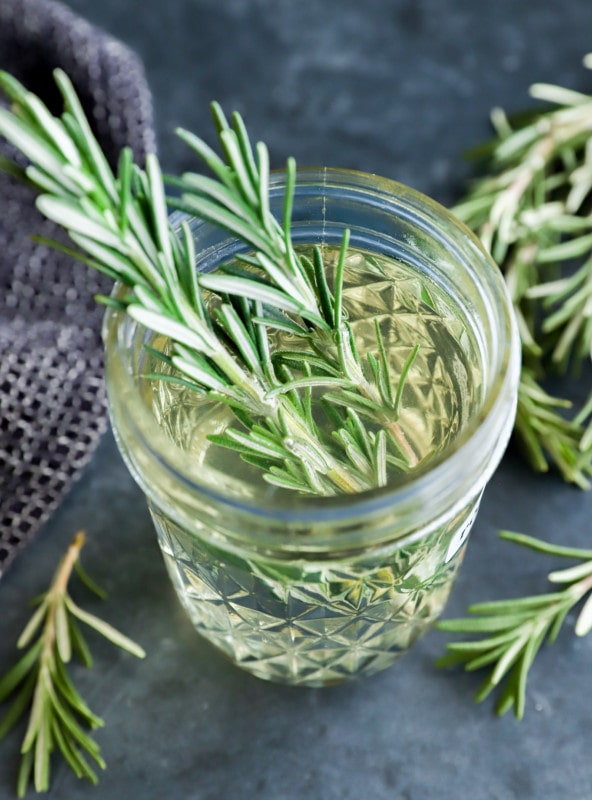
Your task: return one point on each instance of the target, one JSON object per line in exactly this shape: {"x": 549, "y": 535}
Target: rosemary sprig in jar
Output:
{"x": 120, "y": 226}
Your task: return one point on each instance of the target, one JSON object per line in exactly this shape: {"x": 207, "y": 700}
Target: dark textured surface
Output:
{"x": 398, "y": 88}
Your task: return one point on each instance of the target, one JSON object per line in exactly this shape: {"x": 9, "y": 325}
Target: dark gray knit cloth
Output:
{"x": 52, "y": 400}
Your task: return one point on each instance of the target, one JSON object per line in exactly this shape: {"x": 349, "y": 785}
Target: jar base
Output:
{"x": 287, "y": 672}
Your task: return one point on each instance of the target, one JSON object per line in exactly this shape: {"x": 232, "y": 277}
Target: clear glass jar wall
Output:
{"x": 317, "y": 590}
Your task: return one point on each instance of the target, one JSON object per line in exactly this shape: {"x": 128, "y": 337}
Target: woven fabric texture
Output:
{"x": 52, "y": 398}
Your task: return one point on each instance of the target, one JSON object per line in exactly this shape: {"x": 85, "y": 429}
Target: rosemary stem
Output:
{"x": 580, "y": 588}
{"x": 57, "y": 591}
{"x": 402, "y": 440}
{"x": 391, "y": 426}
{"x": 352, "y": 370}
{"x": 64, "y": 570}
{"x": 339, "y": 474}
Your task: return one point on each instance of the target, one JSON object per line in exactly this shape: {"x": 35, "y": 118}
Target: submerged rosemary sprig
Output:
{"x": 120, "y": 226}
{"x": 39, "y": 681}
{"x": 532, "y": 210}
{"x": 511, "y": 632}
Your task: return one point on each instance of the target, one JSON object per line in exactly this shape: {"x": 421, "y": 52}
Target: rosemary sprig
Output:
{"x": 532, "y": 211}
{"x": 222, "y": 346}
{"x": 512, "y": 631}
{"x": 40, "y": 681}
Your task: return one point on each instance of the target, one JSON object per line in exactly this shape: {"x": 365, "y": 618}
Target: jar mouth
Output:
{"x": 445, "y": 480}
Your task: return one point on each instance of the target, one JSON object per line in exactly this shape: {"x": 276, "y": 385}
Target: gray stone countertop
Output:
{"x": 399, "y": 89}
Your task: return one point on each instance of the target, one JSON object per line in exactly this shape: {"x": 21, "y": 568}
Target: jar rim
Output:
{"x": 485, "y": 434}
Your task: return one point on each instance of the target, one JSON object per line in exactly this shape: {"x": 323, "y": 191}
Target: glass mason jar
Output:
{"x": 316, "y": 590}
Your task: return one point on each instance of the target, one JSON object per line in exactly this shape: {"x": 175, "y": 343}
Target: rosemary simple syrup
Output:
{"x": 440, "y": 392}
{"x": 319, "y": 623}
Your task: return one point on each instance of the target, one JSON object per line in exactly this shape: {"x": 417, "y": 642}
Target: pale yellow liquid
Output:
{"x": 441, "y": 391}
{"x": 311, "y": 623}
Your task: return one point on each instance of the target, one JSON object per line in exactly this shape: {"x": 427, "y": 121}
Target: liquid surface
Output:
{"x": 440, "y": 392}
